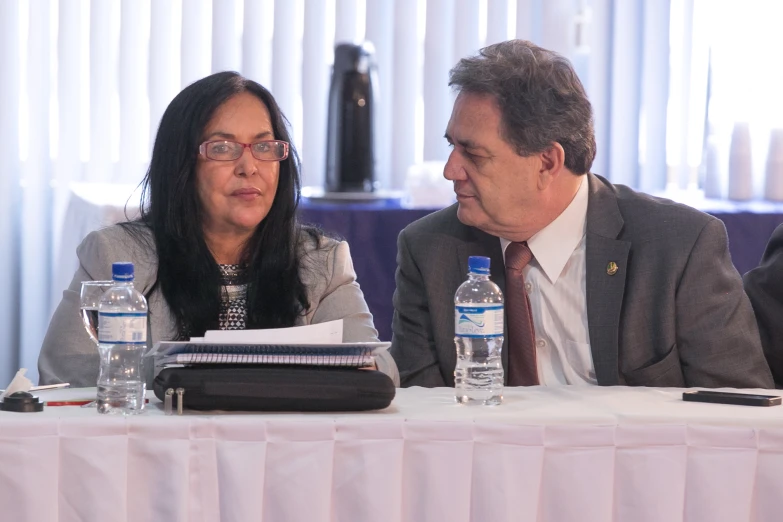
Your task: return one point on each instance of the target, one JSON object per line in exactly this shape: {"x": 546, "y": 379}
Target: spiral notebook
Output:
{"x": 340, "y": 354}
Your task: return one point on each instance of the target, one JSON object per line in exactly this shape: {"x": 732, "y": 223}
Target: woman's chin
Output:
{"x": 237, "y": 225}
{"x": 247, "y": 225}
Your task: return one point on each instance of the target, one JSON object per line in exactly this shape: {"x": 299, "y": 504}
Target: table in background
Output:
{"x": 561, "y": 454}
{"x": 371, "y": 229}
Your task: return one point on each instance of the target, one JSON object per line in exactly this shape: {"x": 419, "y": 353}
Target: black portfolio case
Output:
{"x": 276, "y": 388}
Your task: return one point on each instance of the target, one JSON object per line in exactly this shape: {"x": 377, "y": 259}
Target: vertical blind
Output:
{"x": 100, "y": 74}
{"x": 85, "y": 83}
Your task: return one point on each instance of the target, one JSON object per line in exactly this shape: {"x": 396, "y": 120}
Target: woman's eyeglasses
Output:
{"x": 225, "y": 150}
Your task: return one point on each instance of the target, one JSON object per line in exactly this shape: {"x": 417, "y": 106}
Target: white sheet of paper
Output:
{"x": 18, "y": 383}
{"x": 321, "y": 333}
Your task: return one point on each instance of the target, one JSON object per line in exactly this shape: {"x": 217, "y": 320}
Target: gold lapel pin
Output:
{"x": 612, "y": 268}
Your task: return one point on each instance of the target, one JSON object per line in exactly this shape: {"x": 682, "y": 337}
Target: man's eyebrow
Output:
{"x": 467, "y": 144}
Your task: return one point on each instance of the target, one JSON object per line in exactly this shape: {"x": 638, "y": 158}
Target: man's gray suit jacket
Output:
{"x": 673, "y": 314}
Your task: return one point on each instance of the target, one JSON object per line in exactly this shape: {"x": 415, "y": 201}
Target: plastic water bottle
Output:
{"x": 122, "y": 340}
{"x": 478, "y": 323}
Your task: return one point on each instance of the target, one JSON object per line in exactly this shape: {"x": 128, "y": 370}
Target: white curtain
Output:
{"x": 736, "y": 47}
{"x": 86, "y": 81}
{"x": 10, "y": 181}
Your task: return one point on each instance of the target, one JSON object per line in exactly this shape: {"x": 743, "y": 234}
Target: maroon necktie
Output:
{"x": 522, "y": 367}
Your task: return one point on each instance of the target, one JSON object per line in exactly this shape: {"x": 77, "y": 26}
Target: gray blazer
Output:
{"x": 68, "y": 354}
{"x": 674, "y": 314}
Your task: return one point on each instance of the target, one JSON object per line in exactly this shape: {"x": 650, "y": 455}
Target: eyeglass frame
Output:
{"x": 202, "y": 149}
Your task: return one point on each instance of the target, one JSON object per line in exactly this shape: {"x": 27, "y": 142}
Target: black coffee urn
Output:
{"x": 350, "y": 155}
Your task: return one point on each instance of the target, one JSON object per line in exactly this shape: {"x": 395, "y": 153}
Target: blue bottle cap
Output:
{"x": 478, "y": 265}
{"x": 122, "y": 271}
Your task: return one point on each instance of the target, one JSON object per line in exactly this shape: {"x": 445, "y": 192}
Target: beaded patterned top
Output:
{"x": 233, "y": 306}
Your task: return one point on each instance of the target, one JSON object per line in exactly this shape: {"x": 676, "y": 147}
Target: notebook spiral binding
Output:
{"x": 350, "y": 355}
{"x": 248, "y": 358}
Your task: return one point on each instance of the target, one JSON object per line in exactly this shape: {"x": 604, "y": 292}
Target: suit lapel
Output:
{"x": 606, "y": 269}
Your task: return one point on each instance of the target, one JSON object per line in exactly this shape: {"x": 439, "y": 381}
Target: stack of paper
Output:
{"x": 316, "y": 345}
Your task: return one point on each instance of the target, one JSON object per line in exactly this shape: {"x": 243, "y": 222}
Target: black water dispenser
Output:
{"x": 350, "y": 154}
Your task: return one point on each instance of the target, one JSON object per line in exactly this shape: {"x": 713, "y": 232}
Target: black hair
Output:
{"x": 188, "y": 275}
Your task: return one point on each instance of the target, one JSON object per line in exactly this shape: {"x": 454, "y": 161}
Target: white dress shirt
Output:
{"x": 555, "y": 281}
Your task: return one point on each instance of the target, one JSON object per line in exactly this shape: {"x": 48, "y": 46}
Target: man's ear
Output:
{"x": 552, "y": 164}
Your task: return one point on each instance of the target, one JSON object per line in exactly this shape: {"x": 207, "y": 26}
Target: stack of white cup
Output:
{"x": 740, "y": 164}
{"x": 713, "y": 185}
{"x": 773, "y": 189}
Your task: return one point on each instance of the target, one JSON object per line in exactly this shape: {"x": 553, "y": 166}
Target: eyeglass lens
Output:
{"x": 231, "y": 150}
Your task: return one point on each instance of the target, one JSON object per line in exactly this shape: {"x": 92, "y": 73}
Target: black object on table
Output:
{"x": 22, "y": 402}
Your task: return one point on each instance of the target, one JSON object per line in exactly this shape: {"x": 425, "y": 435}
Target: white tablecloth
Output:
{"x": 584, "y": 454}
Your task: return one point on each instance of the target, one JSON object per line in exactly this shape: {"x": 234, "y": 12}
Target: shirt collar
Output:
{"x": 553, "y": 245}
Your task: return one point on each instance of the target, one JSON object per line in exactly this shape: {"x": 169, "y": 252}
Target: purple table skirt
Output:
{"x": 371, "y": 231}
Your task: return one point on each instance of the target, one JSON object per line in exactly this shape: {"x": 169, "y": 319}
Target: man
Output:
{"x": 622, "y": 288}
{"x": 764, "y": 286}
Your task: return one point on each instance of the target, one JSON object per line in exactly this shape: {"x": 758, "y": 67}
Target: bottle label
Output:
{"x": 478, "y": 321}
{"x": 122, "y": 327}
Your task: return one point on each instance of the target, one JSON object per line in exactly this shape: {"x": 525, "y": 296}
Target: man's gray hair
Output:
{"x": 540, "y": 98}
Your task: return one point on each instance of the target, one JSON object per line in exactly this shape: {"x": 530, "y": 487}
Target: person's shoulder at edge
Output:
{"x": 131, "y": 242}
{"x": 316, "y": 249}
{"x": 322, "y": 260}
{"x": 312, "y": 239}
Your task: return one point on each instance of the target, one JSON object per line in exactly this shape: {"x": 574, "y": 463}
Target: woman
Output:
{"x": 217, "y": 245}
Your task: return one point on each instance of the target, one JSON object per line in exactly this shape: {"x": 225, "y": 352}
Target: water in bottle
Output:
{"x": 122, "y": 335}
{"x": 478, "y": 323}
